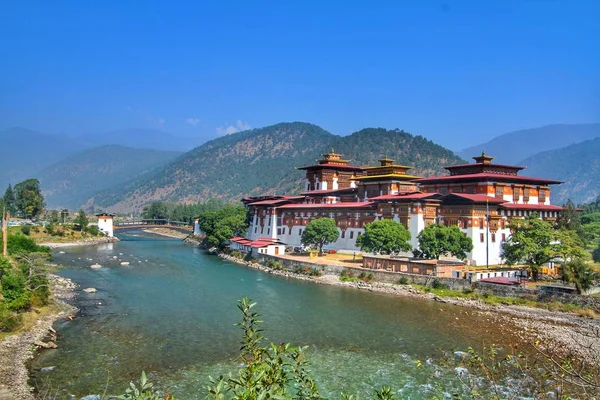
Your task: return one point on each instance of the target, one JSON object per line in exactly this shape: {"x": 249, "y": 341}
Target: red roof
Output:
{"x": 268, "y": 202}
{"x": 501, "y": 280}
{"x": 332, "y": 166}
{"x": 328, "y": 191}
{"x": 477, "y": 198}
{"x": 344, "y": 204}
{"x": 531, "y": 207}
{"x": 485, "y": 176}
{"x": 404, "y": 196}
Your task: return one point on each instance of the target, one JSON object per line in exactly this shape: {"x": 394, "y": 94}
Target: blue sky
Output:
{"x": 457, "y": 72}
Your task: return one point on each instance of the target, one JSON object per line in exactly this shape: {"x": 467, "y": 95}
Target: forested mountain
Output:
{"x": 70, "y": 182}
{"x": 513, "y": 147}
{"x": 263, "y": 161}
{"x": 24, "y": 152}
{"x": 578, "y": 165}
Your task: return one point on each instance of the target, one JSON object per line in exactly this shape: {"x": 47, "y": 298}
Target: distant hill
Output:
{"x": 513, "y": 147}
{"x": 71, "y": 181}
{"x": 24, "y": 152}
{"x": 263, "y": 160}
{"x": 141, "y": 139}
{"x": 578, "y": 165}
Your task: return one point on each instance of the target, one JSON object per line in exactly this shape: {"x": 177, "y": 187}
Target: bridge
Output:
{"x": 154, "y": 223}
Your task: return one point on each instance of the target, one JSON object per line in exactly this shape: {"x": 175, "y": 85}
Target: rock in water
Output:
{"x": 90, "y": 290}
{"x": 125, "y": 263}
{"x": 95, "y": 266}
{"x": 47, "y": 369}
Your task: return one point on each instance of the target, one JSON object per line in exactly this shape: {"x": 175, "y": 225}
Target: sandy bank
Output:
{"x": 167, "y": 232}
{"x": 16, "y": 350}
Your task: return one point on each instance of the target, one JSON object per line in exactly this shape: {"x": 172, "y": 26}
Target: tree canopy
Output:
{"x": 385, "y": 236}
{"x": 28, "y": 198}
{"x": 320, "y": 232}
{"x": 9, "y": 200}
{"x": 578, "y": 273}
{"x": 223, "y": 224}
{"x": 81, "y": 220}
{"x": 437, "y": 240}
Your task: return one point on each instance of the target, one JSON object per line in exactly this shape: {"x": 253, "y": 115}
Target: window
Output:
{"x": 278, "y": 231}
{"x": 504, "y": 237}
{"x": 481, "y": 237}
{"x": 300, "y": 231}
{"x": 493, "y": 238}
{"x": 516, "y": 194}
{"x": 542, "y": 197}
{"x": 351, "y": 234}
{"x": 526, "y": 194}
{"x": 343, "y": 234}
{"x": 499, "y": 191}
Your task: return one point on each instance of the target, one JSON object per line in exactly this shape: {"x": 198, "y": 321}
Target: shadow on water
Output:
{"x": 171, "y": 312}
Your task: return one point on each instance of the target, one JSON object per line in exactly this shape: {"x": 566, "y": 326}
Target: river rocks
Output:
{"x": 47, "y": 369}
{"x": 125, "y": 263}
{"x": 45, "y": 345}
{"x": 438, "y": 298}
{"x": 460, "y": 371}
{"x": 95, "y": 266}
{"x": 90, "y": 290}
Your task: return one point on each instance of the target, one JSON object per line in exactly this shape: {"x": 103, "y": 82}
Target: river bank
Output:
{"x": 16, "y": 350}
{"x": 82, "y": 242}
{"x": 167, "y": 232}
{"x": 556, "y": 331}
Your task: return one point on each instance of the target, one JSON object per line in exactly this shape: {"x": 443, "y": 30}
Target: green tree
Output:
{"x": 579, "y": 273}
{"x": 385, "y": 236}
{"x": 54, "y": 217}
{"x": 533, "y": 242}
{"x": 596, "y": 255}
{"x": 221, "y": 225}
{"x": 320, "y": 232}
{"x": 156, "y": 210}
{"x": 9, "y": 200}
{"x": 437, "y": 240}
{"x": 82, "y": 220}
{"x": 570, "y": 246}
{"x": 28, "y": 198}
{"x": 570, "y": 217}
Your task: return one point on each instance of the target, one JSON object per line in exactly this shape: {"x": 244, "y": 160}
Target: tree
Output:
{"x": 578, "y": 273}
{"x": 319, "y": 232}
{"x": 570, "y": 218}
{"x": 570, "y": 246}
{"x": 221, "y": 225}
{"x": 81, "y": 220}
{"x": 28, "y": 198}
{"x": 54, "y": 217}
{"x": 596, "y": 255}
{"x": 385, "y": 236}
{"x": 533, "y": 242}
{"x": 437, "y": 240}
{"x": 156, "y": 210}
{"x": 9, "y": 200}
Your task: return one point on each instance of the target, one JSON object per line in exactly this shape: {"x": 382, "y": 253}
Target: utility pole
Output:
{"x": 5, "y": 218}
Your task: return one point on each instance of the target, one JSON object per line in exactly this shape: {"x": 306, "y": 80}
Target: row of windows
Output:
{"x": 492, "y": 237}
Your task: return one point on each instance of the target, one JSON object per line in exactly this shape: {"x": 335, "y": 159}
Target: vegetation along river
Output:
{"x": 172, "y": 310}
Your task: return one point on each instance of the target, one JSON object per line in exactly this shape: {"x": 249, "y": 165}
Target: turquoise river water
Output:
{"x": 172, "y": 311}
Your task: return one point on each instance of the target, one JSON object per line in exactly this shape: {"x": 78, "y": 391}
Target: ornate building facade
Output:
{"x": 480, "y": 198}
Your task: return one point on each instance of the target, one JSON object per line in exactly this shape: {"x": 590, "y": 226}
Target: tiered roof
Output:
{"x": 332, "y": 160}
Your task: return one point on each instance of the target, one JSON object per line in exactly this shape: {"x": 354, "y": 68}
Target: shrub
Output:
{"x": 347, "y": 276}
{"x": 436, "y": 284}
{"x": 467, "y": 290}
{"x": 94, "y": 230}
{"x": 49, "y": 228}
{"x": 26, "y": 229}
{"x": 237, "y": 254}
{"x": 19, "y": 244}
{"x": 9, "y": 319}
{"x": 403, "y": 281}
{"x": 315, "y": 272}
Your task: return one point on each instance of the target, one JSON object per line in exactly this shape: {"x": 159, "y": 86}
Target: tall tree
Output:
{"x": 9, "y": 200}
{"x": 28, "y": 198}
{"x": 156, "y": 210}
{"x": 82, "y": 220}
{"x": 320, "y": 232}
{"x": 437, "y": 240}
{"x": 570, "y": 218}
{"x": 385, "y": 236}
{"x": 221, "y": 225}
{"x": 533, "y": 242}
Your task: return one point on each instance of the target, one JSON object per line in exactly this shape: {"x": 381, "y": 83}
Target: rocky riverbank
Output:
{"x": 570, "y": 331}
{"x": 16, "y": 350}
{"x": 167, "y": 232}
{"x": 82, "y": 242}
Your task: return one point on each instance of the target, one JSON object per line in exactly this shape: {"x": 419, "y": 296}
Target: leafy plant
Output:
{"x": 145, "y": 391}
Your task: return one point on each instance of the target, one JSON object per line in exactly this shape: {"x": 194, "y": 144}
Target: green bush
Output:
{"x": 315, "y": 272}
{"x": 237, "y": 254}
{"x": 23, "y": 244}
{"x": 9, "y": 319}
{"x": 436, "y": 284}
{"x": 26, "y": 229}
{"x": 94, "y": 230}
{"x": 403, "y": 281}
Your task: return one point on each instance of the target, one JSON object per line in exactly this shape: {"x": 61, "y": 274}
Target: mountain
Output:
{"x": 263, "y": 160}
{"x": 577, "y": 165}
{"x": 513, "y": 147}
{"x": 141, "y": 139}
{"x": 71, "y": 181}
{"x": 24, "y": 152}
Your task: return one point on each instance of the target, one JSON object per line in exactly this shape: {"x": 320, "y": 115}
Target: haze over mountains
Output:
{"x": 124, "y": 170}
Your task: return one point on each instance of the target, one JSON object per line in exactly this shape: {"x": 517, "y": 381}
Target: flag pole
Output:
{"x": 5, "y": 217}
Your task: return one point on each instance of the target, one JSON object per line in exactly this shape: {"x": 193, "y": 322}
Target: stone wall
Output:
{"x": 379, "y": 275}
{"x": 505, "y": 290}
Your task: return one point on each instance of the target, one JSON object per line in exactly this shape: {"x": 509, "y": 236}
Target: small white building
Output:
{"x": 262, "y": 245}
{"x": 197, "y": 230}
{"x": 105, "y": 224}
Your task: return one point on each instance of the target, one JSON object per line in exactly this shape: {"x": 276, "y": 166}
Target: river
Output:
{"x": 171, "y": 312}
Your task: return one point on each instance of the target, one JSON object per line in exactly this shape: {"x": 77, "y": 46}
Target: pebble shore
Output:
{"x": 16, "y": 350}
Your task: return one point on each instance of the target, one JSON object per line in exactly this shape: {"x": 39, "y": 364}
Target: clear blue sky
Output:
{"x": 457, "y": 72}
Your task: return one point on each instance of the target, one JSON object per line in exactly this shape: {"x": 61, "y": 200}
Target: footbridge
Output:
{"x": 154, "y": 223}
